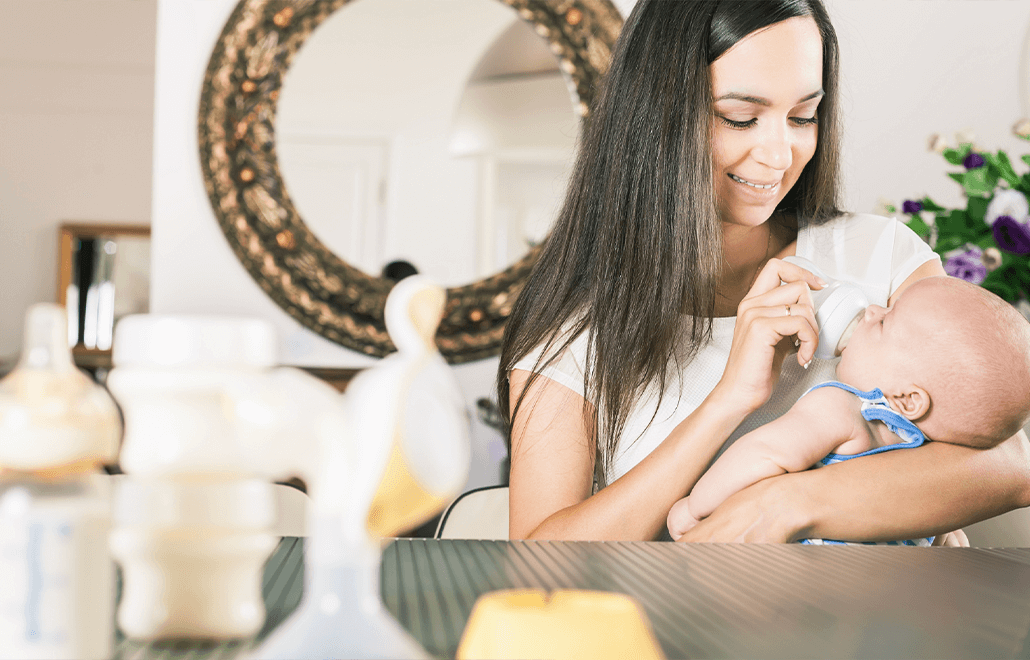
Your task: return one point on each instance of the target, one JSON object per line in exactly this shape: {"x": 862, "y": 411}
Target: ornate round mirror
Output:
{"x": 319, "y": 173}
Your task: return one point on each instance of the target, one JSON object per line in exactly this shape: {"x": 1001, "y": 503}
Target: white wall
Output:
{"x": 75, "y": 134}
{"x": 76, "y": 126}
{"x": 912, "y": 68}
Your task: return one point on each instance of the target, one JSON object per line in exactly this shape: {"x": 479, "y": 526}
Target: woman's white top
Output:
{"x": 876, "y": 253}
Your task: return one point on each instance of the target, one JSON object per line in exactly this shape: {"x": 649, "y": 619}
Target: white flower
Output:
{"x": 992, "y": 258}
{"x": 937, "y": 143}
{"x": 1007, "y": 202}
{"x": 1022, "y": 128}
{"x": 885, "y": 207}
{"x": 966, "y": 136}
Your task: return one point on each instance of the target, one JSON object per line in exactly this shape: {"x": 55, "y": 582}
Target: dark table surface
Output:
{"x": 724, "y": 601}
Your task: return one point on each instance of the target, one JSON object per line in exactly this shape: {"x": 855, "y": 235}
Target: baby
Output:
{"x": 948, "y": 356}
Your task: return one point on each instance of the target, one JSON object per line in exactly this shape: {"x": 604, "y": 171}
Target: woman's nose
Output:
{"x": 774, "y": 149}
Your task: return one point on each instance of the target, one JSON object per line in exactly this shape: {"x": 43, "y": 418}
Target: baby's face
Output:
{"x": 883, "y": 345}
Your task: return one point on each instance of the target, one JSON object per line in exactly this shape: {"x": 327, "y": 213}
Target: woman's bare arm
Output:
{"x": 552, "y": 468}
{"x": 900, "y": 494}
{"x": 552, "y": 458}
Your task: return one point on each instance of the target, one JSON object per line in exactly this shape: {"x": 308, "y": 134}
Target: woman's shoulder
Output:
{"x": 868, "y": 249}
{"x": 562, "y": 358}
{"x": 854, "y": 224}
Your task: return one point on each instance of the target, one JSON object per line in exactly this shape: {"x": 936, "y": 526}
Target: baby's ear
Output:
{"x": 913, "y": 403}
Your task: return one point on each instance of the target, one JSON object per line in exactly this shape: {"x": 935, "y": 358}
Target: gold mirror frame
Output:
{"x": 246, "y": 190}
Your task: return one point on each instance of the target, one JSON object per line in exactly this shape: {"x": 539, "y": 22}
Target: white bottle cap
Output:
{"x": 836, "y": 316}
{"x": 177, "y": 341}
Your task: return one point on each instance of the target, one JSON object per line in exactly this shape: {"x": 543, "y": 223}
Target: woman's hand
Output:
{"x": 956, "y": 539}
{"x": 762, "y": 513}
{"x": 768, "y": 319}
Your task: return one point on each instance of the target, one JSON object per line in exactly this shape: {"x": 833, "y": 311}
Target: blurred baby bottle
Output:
{"x": 839, "y": 306}
{"x": 57, "y": 428}
{"x": 192, "y": 519}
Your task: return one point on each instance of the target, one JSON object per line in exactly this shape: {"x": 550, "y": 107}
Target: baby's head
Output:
{"x": 950, "y": 356}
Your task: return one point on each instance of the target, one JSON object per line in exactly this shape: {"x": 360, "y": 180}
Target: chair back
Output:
{"x": 480, "y": 513}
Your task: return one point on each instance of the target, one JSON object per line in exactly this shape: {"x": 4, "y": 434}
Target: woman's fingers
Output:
{"x": 786, "y": 321}
{"x": 793, "y": 292}
{"x": 956, "y": 539}
{"x": 776, "y": 271}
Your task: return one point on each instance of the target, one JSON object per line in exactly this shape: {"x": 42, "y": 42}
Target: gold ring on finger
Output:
{"x": 787, "y": 307}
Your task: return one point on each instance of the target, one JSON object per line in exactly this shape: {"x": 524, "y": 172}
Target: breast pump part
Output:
{"x": 407, "y": 416}
{"x": 839, "y": 306}
{"x": 52, "y": 416}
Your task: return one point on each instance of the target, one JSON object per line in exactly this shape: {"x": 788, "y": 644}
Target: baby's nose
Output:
{"x": 873, "y": 312}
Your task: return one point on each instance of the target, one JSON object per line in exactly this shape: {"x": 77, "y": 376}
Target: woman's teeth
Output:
{"x": 753, "y": 185}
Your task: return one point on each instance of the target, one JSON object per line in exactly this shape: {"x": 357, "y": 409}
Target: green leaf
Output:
{"x": 948, "y": 242}
{"x": 979, "y": 182}
{"x": 957, "y": 224}
{"x": 930, "y": 205}
{"x": 917, "y": 225}
{"x": 1001, "y": 289}
{"x": 956, "y": 156}
{"x": 958, "y": 176}
{"x": 977, "y": 209}
{"x": 1001, "y": 166}
{"x": 986, "y": 240}
{"x": 1026, "y": 157}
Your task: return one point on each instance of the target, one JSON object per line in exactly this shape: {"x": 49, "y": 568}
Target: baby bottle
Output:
{"x": 57, "y": 427}
{"x": 192, "y": 518}
{"x": 839, "y": 307}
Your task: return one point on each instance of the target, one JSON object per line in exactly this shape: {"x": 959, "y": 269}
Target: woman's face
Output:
{"x": 767, "y": 88}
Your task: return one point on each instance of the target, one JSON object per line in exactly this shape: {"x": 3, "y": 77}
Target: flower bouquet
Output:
{"x": 988, "y": 242}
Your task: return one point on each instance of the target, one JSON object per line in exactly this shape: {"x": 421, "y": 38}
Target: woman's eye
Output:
{"x": 738, "y": 124}
{"x": 805, "y": 121}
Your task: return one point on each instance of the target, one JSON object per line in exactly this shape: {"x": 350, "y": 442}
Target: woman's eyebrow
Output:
{"x": 758, "y": 100}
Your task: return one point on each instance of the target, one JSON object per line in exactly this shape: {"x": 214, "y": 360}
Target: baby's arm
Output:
{"x": 815, "y": 426}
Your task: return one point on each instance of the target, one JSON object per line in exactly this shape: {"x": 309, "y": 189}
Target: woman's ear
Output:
{"x": 913, "y": 402}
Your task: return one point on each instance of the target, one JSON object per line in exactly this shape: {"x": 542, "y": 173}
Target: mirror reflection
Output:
{"x": 103, "y": 275}
{"x": 438, "y": 132}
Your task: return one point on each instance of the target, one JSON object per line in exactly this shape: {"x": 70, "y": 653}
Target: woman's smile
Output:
{"x": 753, "y": 184}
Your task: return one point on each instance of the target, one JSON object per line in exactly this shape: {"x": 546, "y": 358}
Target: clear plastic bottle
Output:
{"x": 839, "y": 307}
{"x": 57, "y": 427}
{"x": 194, "y": 512}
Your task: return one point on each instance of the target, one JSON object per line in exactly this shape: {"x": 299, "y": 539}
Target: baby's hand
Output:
{"x": 680, "y": 520}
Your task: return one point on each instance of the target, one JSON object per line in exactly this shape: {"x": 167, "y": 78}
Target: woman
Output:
{"x": 654, "y": 328}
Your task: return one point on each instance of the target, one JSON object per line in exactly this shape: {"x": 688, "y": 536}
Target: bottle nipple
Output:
{"x": 848, "y": 331}
{"x": 46, "y": 339}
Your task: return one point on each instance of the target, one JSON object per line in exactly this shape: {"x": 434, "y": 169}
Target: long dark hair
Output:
{"x": 638, "y": 241}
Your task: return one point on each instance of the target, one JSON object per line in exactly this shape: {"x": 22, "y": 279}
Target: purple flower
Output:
{"x": 973, "y": 161}
{"x": 1011, "y": 236}
{"x": 968, "y": 266}
{"x": 911, "y": 207}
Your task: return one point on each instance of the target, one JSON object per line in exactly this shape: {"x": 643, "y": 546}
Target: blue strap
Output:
{"x": 877, "y": 410}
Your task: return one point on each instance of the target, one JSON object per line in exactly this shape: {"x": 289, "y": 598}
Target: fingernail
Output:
{"x": 821, "y": 281}
{"x": 808, "y": 364}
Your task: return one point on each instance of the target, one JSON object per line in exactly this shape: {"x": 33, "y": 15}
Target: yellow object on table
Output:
{"x": 527, "y": 623}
